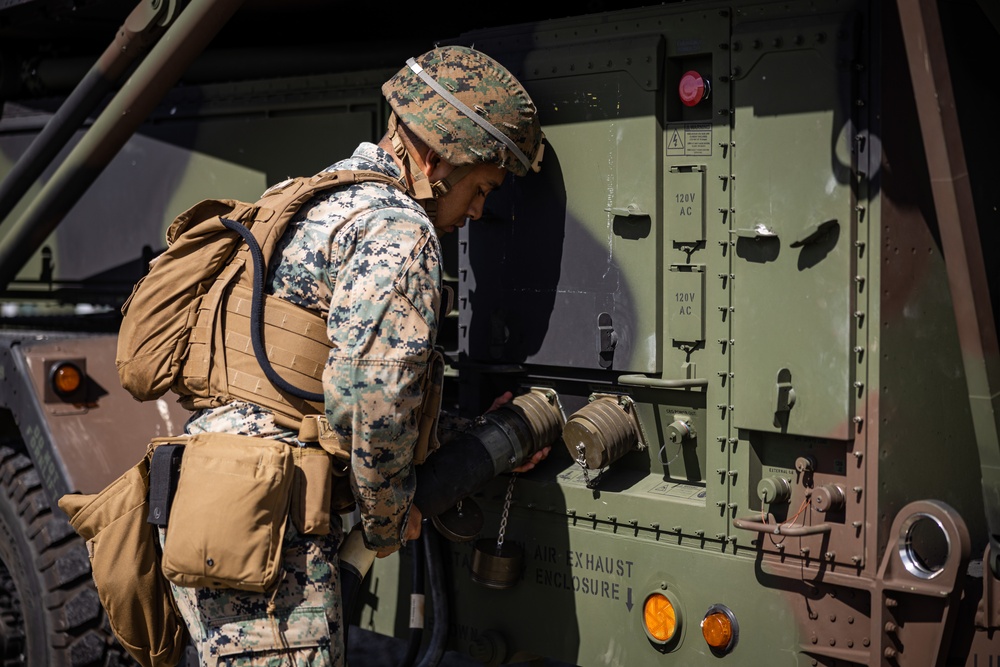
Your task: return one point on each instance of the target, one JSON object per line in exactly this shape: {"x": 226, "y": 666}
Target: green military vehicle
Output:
{"x": 752, "y": 285}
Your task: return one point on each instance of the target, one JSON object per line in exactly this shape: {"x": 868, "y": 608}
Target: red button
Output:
{"x": 693, "y": 88}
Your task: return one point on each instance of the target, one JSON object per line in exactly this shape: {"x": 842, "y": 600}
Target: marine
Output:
{"x": 367, "y": 257}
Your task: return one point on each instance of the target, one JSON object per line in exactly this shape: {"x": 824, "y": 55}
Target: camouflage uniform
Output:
{"x": 369, "y": 255}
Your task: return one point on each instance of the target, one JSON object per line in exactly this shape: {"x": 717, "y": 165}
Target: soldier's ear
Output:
{"x": 435, "y": 168}
{"x": 431, "y": 162}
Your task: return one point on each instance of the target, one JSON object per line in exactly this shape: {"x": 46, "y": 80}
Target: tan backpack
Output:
{"x": 197, "y": 321}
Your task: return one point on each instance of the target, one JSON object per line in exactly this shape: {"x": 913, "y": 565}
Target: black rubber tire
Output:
{"x": 50, "y": 615}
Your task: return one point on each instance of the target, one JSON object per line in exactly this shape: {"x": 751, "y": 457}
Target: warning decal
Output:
{"x": 676, "y": 143}
{"x": 689, "y": 139}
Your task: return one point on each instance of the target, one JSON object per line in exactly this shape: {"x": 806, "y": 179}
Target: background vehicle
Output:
{"x": 751, "y": 278}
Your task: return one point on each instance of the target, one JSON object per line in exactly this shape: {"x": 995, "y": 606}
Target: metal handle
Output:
{"x": 626, "y": 211}
{"x": 759, "y": 231}
{"x": 751, "y": 523}
{"x": 643, "y": 381}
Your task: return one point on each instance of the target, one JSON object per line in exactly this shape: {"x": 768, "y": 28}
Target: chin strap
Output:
{"x": 422, "y": 189}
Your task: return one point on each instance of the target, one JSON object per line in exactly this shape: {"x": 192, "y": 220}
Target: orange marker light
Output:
{"x": 660, "y": 617}
{"x": 717, "y": 630}
{"x": 66, "y": 379}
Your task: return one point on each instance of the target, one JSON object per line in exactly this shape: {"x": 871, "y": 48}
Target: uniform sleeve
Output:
{"x": 382, "y": 324}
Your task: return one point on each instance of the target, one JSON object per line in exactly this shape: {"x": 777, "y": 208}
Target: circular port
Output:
{"x": 774, "y": 490}
{"x": 924, "y": 546}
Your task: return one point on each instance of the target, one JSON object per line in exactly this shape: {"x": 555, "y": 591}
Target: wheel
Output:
{"x": 50, "y": 615}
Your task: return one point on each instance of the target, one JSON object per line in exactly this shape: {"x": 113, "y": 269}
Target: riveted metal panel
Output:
{"x": 794, "y": 227}
{"x": 537, "y": 278}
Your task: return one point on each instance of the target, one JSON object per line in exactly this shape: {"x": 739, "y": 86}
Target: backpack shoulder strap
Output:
{"x": 281, "y": 202}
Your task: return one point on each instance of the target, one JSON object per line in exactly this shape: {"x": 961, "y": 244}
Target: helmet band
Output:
{"x": 422, "y": 189}
{"x": 475, "y": 117}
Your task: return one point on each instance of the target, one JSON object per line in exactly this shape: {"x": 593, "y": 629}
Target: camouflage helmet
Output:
{"x": 468, "y": 108}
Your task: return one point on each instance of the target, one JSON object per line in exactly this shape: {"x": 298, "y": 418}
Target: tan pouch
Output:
{"x": 430, "y": 408}
{"x": 342, "y": 500}
{"x": 125, "y": 566}
{"x": 311, "y": 490}
{"x": 316, "y": 429}
{"x": 227, "y": 520}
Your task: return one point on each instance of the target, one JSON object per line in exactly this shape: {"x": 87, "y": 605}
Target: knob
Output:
{"x": 774, "y": 490}
{"x": 679, "y": 431}
{"x": 828, "y": 498}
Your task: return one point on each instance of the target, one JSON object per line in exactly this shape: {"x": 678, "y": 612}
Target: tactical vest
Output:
{"x": 187, "y": 326}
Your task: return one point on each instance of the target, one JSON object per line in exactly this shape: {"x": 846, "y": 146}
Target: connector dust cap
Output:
{"x": 468, "y": 108}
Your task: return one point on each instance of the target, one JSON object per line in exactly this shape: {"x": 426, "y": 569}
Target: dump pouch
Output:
{"x": 126, "y": 568}
{"x": 228, "y": 518}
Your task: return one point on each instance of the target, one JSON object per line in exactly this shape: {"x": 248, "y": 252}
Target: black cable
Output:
{"x": 257, "y": 317}
{"x": 417, "y": 633}
{"x": 439, "y": 602}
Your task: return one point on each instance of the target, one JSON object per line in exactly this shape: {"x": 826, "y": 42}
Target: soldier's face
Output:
{"x": 465, "y": 200}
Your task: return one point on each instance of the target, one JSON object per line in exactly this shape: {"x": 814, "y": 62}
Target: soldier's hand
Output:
{"x": 536, "y": 458}
{"x": 413, "y": 523}
{"x": 501, "y": 400}
{"x": 412, "y": 532}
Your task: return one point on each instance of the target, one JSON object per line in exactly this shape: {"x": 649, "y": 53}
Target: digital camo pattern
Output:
{"x": 304, "y": 627}
{"x": 482, "y": 84}
{"x": 239, "y": 417}
{"x": 368, "y": 253}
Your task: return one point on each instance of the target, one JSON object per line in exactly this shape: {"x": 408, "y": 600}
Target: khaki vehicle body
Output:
{"x": 754, "y": 275}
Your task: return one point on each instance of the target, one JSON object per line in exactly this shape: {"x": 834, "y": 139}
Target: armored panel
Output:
{"x": 549, "y": 282}
{"x": 793, "y": 227}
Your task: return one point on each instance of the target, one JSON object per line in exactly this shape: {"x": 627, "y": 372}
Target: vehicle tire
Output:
{"x": 50, "y": 615}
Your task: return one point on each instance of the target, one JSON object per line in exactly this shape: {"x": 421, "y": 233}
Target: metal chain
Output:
{"x": 506, "y": 511}
{"x": 582, "y": 460}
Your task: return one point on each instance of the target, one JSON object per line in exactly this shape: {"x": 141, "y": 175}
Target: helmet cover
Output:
{"x": 436, "y": 94}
